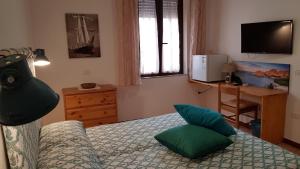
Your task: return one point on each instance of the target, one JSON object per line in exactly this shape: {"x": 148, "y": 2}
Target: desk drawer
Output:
{"x": 91, "y": 112}
{"x": 101, "y": 121}
{"x": 91, "y": 99}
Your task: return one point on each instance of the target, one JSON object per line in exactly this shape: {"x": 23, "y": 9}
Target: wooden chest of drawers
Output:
{"x": 93, "y": 107}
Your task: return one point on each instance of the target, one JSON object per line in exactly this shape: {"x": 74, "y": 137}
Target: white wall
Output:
{"x": 15, "y": 29}
{"x": 224, "y": 22}
{"x": 155, "y": 96}
{"x": 14, "y": 33}
{"x": 50, "y": 33}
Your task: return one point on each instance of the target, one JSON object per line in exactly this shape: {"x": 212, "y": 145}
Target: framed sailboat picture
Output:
{"x": 83, "y": 35}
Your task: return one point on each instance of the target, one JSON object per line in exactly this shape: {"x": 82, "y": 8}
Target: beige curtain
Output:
{"x": 197, "y": 25}
{"x": 128, "y": 42}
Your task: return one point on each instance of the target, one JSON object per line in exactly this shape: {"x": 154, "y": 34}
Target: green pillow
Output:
{"x": 206, "y": 118}
{"x": 193, "y": 141}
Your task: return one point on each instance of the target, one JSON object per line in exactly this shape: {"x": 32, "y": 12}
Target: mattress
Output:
{"x": 132, "y": 145}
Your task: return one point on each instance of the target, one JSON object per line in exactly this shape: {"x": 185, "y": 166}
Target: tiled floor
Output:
{"x": 283, "y": 145}
{"x": 290, "y": 148}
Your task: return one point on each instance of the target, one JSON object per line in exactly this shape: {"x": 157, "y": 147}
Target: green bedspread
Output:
{"x": 132, "y": 145}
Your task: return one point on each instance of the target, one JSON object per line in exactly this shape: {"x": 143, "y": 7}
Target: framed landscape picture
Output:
{"x": 83, "y": 35}
{"x": 264, "y": 74}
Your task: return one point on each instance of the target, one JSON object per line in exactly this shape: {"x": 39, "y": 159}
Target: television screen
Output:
{"x": 268, "y": 37}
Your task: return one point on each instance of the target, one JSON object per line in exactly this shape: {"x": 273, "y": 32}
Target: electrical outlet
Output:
{"x": 297, "y": 72}
{"x": 86, "y": 72}
{"x": 295, "y": 116}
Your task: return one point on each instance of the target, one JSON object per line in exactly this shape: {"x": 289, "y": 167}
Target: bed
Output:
{"x": 130, "y": 145}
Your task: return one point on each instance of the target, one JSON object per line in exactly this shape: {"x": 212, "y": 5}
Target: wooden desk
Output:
{"x": 273, "y": 107}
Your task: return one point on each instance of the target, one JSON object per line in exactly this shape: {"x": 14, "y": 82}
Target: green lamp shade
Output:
{"x": 23, "y": 98}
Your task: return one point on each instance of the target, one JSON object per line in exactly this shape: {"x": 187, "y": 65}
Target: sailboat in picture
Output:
{"x": 81, "y": 35}
{"x": 84, "y": 44}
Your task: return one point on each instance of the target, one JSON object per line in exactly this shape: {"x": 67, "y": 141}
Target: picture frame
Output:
{"x": 267, "y": 75}
{"x": 83, "y": 35}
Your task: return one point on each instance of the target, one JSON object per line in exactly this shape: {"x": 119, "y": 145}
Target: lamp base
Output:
{"x": 228, "y": 78}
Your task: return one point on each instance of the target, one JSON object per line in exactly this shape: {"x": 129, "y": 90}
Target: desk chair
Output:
{"x": 237, "y": 106}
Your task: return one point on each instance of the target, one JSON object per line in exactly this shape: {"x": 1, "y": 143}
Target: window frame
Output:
{"x": 159, "y": 14}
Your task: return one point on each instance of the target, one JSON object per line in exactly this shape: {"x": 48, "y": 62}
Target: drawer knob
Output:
{"x": 105, "y": 112}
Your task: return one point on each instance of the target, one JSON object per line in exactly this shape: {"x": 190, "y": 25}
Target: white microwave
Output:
{"x": 208, "y": 68}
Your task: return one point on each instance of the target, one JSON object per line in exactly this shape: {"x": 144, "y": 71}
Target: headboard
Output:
{"x": 21, "y": 141}
{"x": 3, "y": 163}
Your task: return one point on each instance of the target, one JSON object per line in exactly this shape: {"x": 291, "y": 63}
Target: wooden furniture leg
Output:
{"x": 273, "y": 109}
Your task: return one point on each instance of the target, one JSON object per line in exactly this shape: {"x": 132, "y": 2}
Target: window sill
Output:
{"x": 162, "y": 76}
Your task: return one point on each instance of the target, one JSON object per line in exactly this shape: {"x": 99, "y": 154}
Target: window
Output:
{"x": 161, "y": 38}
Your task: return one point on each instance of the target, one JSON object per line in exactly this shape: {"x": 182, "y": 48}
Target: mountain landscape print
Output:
{"x": 268, "y": 75}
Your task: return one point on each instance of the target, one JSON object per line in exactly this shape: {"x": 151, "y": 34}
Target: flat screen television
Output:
{"x": 274, "y": 37}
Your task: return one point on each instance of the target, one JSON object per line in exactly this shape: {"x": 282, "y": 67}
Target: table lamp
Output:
{"x": 23, "y": 98}
{"x": 228, "y": 68}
